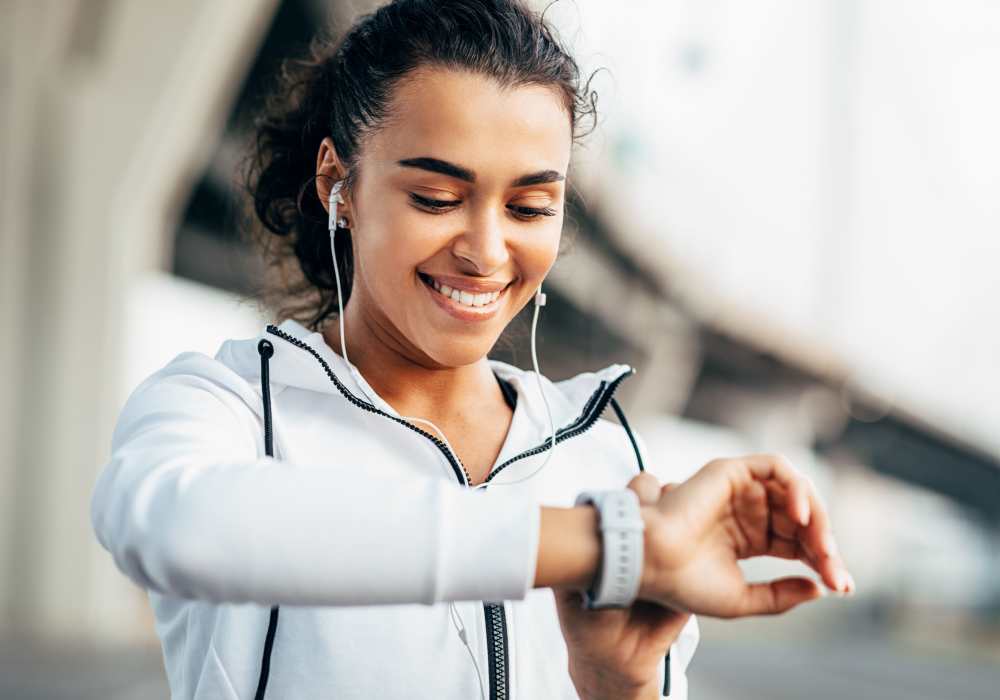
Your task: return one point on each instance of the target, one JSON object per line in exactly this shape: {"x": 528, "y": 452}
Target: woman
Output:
{"x": 313, "y": 520}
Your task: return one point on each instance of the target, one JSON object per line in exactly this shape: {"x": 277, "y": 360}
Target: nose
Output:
{"x": 484, "y": 244}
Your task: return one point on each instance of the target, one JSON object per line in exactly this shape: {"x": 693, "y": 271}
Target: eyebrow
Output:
{"x": 436, "y": 165}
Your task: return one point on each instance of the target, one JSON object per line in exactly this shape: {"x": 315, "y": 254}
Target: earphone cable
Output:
{"x": 465, "y": 640}
{"x": 548, "y": 409}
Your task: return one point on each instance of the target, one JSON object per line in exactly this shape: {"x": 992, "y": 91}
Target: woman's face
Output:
{"x": 461, "y": 193}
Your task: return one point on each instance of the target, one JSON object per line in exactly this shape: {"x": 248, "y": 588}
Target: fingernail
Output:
{"x": 840, "y": 579}
{"x": 852, "y": 586}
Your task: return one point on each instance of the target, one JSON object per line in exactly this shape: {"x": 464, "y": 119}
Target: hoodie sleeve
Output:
{"x": 187, "y": 507}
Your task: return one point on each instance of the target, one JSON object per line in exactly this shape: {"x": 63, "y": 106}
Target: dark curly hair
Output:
{"x": 342, "y": 88}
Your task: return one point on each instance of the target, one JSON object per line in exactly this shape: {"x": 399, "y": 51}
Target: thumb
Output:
{"x": 646, "y": 487}
{"x": 778, "y": 596}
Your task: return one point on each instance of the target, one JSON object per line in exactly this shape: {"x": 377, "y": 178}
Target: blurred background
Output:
{"x": 787, "y": 219}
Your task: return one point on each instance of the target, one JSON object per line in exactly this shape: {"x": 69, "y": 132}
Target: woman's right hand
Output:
{"x": 734, "y": 509}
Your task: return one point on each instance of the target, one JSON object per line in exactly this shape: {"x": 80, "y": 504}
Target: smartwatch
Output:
{"x": 620, "y": 573}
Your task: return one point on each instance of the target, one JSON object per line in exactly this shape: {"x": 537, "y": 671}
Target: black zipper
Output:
{"x": 496, "y": 618}
{"x": 496, "y": 648}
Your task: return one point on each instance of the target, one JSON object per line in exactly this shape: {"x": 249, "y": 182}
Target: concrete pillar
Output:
{"x": 117, "y": 107}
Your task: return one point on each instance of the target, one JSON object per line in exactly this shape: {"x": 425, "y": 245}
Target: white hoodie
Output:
{"x": 362, "y": 528}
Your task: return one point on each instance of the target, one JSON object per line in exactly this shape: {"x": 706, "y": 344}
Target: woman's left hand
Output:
{"x": 616, "y": 653}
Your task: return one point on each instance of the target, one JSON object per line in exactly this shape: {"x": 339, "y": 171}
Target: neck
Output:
{"x": 413, "y": 386}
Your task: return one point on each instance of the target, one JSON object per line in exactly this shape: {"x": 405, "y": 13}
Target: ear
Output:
{"x": 328, "y": 171}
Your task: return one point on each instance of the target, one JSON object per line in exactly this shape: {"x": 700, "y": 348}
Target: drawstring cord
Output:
{"x": 638, "y": 458}
{"x": 628, "y": 431}
{"x": 266, "y": 350}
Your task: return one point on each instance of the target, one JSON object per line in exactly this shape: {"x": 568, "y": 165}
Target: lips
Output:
{"x": 463, "y": 304}
{"x": 462, "y": 296}
{"x": 465, "y": 284}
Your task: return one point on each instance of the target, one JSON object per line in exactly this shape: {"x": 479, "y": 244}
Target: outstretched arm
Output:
{"x": 187, "y": 507}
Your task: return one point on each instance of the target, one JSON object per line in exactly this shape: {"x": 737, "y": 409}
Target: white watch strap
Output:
{"x": 617, "y": 581}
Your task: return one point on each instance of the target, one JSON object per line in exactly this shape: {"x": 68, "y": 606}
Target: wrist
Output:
{"x": 569, "y": 548}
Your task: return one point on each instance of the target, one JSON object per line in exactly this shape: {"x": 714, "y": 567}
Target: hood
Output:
{"x": 302, "y": 359}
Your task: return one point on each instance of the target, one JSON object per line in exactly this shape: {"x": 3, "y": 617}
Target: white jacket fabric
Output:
{"x": 361, "y": 528}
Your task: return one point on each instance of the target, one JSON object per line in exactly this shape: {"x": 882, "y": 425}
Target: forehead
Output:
{"x": 467, "y": 118}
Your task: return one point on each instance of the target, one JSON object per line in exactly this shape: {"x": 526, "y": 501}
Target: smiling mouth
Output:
{"x": 462, "y": 297}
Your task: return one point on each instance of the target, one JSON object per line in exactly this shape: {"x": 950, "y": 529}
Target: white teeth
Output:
{"x": 467, "y": 298}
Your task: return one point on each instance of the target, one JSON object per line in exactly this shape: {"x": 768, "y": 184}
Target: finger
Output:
{"x": 800, "y": 497}
{"x": 792, "y": 549}
{"x": 646, "y": 487}
{"x": 781, "y": 522}
{"x": 787, "y": 549}
{"x": 668, "y": 487}
{"x": 786, "y": 543}
{"x": 816, "y": 538}
{"x": 774, "y": 597}
{"x": 779, "y": 468}
{"x": 751, "y": 511}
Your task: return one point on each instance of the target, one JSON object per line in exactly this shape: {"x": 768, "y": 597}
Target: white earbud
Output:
{"x": 335, "y": 199}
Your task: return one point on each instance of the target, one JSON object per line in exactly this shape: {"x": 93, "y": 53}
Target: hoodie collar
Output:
{"x": 298, "y": 351}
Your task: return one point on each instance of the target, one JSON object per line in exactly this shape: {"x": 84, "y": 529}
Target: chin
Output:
{"x": 459, "y": 354}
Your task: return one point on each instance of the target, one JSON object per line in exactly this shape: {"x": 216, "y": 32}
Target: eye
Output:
{"x": 531, "y": 212}
{"x": 523, "y": 213}
{"x": 433, "y": 203}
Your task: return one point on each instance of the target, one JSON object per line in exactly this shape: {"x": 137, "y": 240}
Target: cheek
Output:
{"x": 390, "y": 255}
{"x": 389, "y": 273}
{"x": 537, "y": 255}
